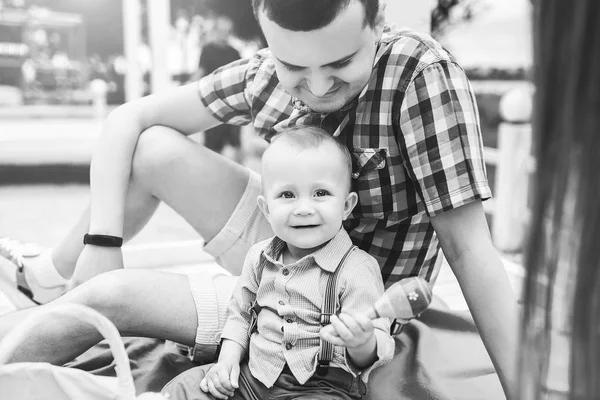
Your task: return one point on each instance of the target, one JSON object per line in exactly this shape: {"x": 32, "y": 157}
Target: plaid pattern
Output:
{"x": 290, "y": 297}
{"x": 413, "y": 132}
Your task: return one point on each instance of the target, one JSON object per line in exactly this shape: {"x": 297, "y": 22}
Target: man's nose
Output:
{"x": 319, "y": 84}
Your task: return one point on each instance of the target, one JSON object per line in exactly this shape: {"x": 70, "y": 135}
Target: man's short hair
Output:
{"x": 312, "y": 137}
{"x": 309, "y": 15}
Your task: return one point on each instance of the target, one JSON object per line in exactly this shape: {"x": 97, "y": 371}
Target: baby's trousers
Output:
{"x": 337, "y": 384}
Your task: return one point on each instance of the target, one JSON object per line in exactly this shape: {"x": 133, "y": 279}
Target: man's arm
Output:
{"x": 466, "y": 242}
{"x": 180, "y": 109}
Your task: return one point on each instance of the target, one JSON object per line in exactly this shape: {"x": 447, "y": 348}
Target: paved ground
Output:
{"x": 44, "y": 214}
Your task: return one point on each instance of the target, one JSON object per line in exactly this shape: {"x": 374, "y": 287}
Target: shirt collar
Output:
{"x": 327, "y": 257}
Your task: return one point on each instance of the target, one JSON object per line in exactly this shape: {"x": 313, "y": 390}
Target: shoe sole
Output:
{"x": 13, "y": 295}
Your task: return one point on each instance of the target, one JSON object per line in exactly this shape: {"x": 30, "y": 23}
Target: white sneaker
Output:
{"x": 14, "y": 257}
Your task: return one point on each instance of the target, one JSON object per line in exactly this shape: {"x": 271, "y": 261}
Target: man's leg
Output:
{"x": 139, "y": 302}
{"x": 199, "y": 184}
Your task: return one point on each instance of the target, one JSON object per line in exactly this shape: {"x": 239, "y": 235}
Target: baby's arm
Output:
{"x": 368, "y": 342}
{"x": 222, "y": 378}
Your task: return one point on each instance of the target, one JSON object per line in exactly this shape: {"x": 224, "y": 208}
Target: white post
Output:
{"x": 411, "y": 14}
{"x": 99, "y": 89}
{"x": 512, "y": 171}
{"x": 132, "y": 32}
{"x": 159, "y": 32}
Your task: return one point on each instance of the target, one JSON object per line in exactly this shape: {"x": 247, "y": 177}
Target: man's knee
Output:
{"x": 110, "y": 293}
{"x": 158, "y": 149}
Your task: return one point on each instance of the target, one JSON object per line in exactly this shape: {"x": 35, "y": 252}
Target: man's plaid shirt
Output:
{"x": 413, "y": 133}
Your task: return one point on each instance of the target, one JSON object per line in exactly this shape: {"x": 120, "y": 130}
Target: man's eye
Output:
{"x": 321, "y": 193}
{"x": 287, "y": 195}
{"x": 292, "y": 67}
{"x": 341, "y": 64}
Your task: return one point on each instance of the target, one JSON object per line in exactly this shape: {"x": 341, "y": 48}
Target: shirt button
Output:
{"x": 281, "y": 328}
{"x": 289, "y": 320}
{"x": 355, "y": 175}
{"x": 281, "y": 303}
{"x": 288, "y": 346}
{"x": 285, "y": 271}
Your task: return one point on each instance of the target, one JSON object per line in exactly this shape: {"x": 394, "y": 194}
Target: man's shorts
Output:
{"x": 246, "y": 226}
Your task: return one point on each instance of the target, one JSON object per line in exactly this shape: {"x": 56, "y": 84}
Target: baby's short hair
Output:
{"x": 313, "y": 137}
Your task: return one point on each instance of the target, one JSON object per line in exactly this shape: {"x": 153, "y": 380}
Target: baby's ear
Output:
{"x": 263, "y": 205}
{"x": 350, "y": 203}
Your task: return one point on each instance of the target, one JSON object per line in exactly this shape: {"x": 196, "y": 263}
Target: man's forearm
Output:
{"x": 494, "y": 308}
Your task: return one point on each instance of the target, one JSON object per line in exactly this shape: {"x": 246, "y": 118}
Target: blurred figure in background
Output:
{"x": 561, "y": 329}
{"x": 217, "y": 51}
{"x": 178, "y": 49}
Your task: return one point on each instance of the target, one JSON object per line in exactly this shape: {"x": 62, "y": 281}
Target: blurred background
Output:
{"x": 64, "y": 64}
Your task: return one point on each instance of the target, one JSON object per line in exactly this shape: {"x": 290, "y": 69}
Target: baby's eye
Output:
{"x": 321, "y": 193}
{"x": 287, "y": 195}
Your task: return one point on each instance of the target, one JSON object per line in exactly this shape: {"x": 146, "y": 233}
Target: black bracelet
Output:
{"x": 103, "y": 240}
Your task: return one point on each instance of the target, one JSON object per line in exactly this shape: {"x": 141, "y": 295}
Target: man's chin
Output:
{"x": 327, "y": 106}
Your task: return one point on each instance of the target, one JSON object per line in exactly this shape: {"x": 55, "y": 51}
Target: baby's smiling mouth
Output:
{"x": 304, "y": 226}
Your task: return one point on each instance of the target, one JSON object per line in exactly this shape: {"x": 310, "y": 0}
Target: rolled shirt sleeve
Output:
{"x": 238, "y": 322}
{"x": 224, "y": 92}
{"x": 442, "y": 138}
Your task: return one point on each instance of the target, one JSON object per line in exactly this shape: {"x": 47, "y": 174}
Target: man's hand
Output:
{"x": 221, "y": 380}
{"x": 95, "y": 260}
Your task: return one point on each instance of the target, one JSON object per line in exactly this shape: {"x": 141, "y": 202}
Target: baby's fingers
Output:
{"x": 235, "y": 375}
{"x": 215, "y": 392}
{"x": 329, "y": 334}
{"x": 224, "y": 385}
{"x": 204, "y": 385}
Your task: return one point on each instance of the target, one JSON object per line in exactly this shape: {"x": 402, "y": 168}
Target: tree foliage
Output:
{"x": 446, "y": 13}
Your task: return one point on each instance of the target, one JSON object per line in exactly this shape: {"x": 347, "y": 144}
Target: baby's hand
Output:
{"x": 221, "y": 380}
{"x": 348, "y": 330}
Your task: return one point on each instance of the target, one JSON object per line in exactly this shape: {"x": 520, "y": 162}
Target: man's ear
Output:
{"x": 263, "y": 205}
{"x": 350, "y": 203}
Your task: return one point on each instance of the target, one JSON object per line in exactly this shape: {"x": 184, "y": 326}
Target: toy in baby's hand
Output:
{"x": 404, "y": 300}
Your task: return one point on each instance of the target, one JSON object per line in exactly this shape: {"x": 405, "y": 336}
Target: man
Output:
{"x": 400, "y": 103}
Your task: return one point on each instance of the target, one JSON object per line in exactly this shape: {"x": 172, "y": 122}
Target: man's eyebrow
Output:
{"x": 331, "y": 64}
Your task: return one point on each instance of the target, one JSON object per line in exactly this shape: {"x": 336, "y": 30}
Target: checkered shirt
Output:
{"x": 291, "y": 296}
{"x": 413, "y": 133}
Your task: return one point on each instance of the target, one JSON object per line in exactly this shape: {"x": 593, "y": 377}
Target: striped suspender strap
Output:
{"x": 329, "y": 308}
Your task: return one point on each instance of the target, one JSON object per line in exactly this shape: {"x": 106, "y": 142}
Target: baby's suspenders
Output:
{"x": 329, "y": 307}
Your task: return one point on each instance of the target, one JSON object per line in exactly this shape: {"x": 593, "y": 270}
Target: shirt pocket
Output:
{"x": 371, "y": 179}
